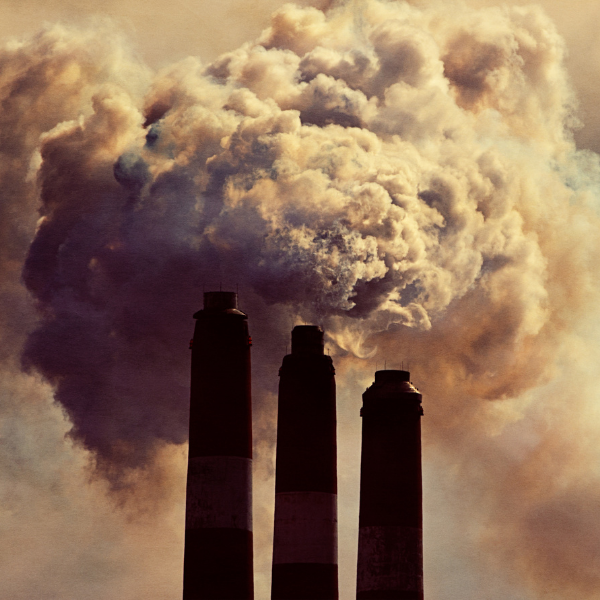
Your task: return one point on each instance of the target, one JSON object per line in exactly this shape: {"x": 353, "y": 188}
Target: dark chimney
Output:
{"x": 218, "y": 560}
{"x": 390, "y": 546}
{"x": 305, "y": 538}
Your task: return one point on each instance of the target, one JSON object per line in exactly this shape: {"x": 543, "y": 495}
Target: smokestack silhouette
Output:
{"x": 218, "y": 561}
{"x": 390, "y": 546}
{"x": 305, "y": 537}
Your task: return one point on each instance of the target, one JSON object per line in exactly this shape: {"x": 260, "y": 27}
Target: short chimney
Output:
{"x": 390, "y": 546}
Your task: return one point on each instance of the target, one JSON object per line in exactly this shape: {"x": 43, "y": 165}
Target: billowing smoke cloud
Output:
{"x": 404, "y": 175}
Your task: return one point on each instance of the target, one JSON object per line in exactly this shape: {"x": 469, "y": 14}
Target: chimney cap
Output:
{"x": 220, "y": 300}
{"x": 307, "y": 339}
{"x": 391, "y": 385}
{"x": 392, "y": 376}
{"x": 219, "y": 303}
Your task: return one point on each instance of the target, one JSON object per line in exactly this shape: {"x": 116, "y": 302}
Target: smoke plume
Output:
{"x": 403, "y": 174}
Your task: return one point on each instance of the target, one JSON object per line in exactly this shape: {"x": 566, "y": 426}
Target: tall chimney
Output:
{"x": 218, "y": 561}
{"x": 305, "y": 538}
{"x": 390, "y": 539}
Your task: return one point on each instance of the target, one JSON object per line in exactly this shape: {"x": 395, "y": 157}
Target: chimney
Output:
{"x": 390, "y": 539}
{"x": 305, "y": 538}
{"x": 218, "y": 560}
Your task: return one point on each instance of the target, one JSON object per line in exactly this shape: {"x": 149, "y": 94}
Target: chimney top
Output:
{"x": 220, "y": 300}
{"x": 391, "y": 385}
{"x": 307, "y": 339}
{"x": 391, "y": 376}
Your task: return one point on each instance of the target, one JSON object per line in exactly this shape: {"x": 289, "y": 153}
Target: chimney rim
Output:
{"x": 394, "y": 375}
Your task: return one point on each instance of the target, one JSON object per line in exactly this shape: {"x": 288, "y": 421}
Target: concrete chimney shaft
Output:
{"x": 305, "y": 537}
{"x": 218, "y": 560}
{"x": 390, "y": 546}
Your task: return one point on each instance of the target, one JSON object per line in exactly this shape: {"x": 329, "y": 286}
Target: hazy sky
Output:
{"x": 511, "y": 465}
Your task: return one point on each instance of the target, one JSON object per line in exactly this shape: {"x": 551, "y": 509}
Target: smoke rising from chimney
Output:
{"x": 404, "y": 176}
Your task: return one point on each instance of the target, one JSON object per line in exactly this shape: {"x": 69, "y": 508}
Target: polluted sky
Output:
{"x": 419, "y": 178}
